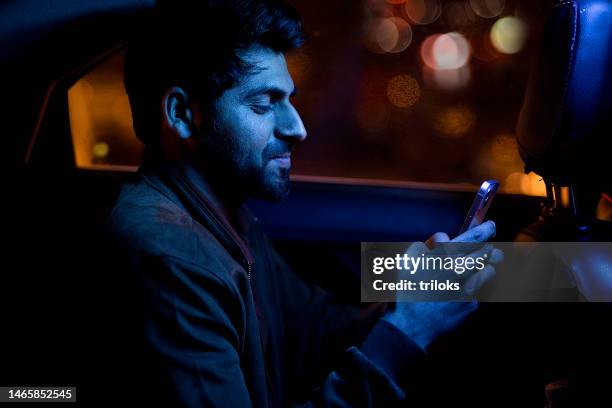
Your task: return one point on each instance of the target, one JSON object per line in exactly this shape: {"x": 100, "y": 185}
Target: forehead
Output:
{"x": 268, "y": 69}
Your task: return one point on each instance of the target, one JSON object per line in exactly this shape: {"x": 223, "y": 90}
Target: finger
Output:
{"x": 497, "y": 256}
{"x": 417, "y": 248}
{"x": 491, "y": 254}
{"x": 435, "y": 238}
{"x": 480, "y": 233}
{"x": 484, "y": 251}
{"x": 478, "y": 280}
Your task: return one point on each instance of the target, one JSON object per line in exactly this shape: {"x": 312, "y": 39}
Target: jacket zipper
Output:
{"x": 209, "y": 215}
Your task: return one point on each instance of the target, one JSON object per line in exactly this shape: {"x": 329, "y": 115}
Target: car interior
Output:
{"x": 63, "y": 294}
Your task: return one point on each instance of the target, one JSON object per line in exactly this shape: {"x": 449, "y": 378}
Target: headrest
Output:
{"x": 564, "y": 129}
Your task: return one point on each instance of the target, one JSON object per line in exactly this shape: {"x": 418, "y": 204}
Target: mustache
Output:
{"x": 280, "y": 148}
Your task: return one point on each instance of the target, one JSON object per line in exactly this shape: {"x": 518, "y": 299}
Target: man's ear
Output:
{"x": 178, "y": 115}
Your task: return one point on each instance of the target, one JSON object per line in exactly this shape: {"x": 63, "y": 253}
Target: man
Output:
{"x": 226, "y": 322}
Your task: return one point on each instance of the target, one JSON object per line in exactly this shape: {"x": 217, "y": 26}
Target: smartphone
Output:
{"x": 481, "y": 205}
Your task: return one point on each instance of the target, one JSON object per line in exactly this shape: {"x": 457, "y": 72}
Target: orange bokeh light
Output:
{"x": 403, "y": 91}
{"x": 455, "y": 121}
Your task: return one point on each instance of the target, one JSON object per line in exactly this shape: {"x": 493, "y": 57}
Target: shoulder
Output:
{"x": 145, "y": 218}
{"x": 176, "y": 257}
{"x": 150, "y": 221}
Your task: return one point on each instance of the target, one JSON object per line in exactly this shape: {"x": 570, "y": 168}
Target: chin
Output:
{"x": 279, "y": 193}
{"x": 272, "y": 184}
{"x": 277, "y": 189}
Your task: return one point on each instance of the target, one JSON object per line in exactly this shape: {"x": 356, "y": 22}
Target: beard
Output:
{"x": 273, "y": 187}
{"x": 242, "y": 174}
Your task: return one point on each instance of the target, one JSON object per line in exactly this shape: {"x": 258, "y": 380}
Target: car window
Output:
{"x": 419, "y": 91}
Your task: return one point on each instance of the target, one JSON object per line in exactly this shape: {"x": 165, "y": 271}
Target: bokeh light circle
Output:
{"x": 455, "y": 121}
{"x": 487, "y": 8}
{"x": 427, "y": 51}
{"x": 403, "y": 91}
{"x": 388, "y": 35}
{"x": 458, "y": 16}
{"x": 100, "y": 150}
{"x": 423, "y": 11}
{"x": 509, "y": 35}
{"x": 382, "y": 35}
{"x": 404, "y": 34}
{"x": 450, "y": 51}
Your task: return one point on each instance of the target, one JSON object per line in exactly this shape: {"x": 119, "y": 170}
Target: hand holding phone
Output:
{"x": 480, "y": 206}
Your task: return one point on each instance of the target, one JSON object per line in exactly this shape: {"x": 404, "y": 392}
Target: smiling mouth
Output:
{"x": 283, "y": 156}
{"x": 283, "y": 159}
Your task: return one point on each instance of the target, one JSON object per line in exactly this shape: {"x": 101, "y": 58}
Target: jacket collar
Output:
{"x": 196, "y": 196}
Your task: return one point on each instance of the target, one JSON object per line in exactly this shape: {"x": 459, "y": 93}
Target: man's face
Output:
{"x": 256, "y": 128}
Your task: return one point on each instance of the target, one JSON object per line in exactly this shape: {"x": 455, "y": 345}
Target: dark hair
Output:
{"x": 196, "y": 45}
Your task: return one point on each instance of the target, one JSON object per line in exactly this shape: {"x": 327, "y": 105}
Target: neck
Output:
{"x": 221, "y": 196}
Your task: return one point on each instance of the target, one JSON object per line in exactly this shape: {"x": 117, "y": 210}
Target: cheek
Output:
{"x": 252, "y": 136}
{"x": 244, "y": 134}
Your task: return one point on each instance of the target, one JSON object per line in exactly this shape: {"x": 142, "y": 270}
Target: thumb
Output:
{"x": 435, "y": 238}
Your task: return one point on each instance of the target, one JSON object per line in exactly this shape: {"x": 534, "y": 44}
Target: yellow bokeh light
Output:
{"x": 455, "y": 122}
{"x": 100, "y": 150}
{"x": 403, "y": 91}
{"x": 509, "y": 35}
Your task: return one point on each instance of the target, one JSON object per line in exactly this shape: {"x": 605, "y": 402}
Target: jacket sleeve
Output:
{"x": 373, "y": 375}
{"x": 370, "y": 360}
{"x": 192, "y": 346}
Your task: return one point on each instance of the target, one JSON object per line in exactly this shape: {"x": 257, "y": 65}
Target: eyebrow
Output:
{"x": 270, "y": 90}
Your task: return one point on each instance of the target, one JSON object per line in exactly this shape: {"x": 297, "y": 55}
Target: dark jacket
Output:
{"x": 227, "y": 323}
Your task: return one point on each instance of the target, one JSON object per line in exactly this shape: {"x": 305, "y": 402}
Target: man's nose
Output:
{"x": 290, "y": 125}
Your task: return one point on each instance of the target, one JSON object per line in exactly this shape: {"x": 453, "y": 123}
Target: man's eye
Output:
{"x": 261, "y": 109}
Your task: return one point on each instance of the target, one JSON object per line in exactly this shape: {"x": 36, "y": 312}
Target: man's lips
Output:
{"x": 283, "y": 159}
{"x": 283, "y": 155}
